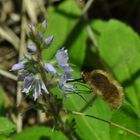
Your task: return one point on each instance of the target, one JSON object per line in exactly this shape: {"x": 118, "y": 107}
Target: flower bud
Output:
{"x": 31, "y": 48}
{"x": 44, "y": 24}
{"x": 18, "y": 66}
{"x": 50, "y": 69}
{"x": 49, "y": 40}
{"x": 32, "y": 27}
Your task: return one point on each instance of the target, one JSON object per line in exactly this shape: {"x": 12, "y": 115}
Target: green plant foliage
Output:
{"x": 119, "y": 47}
{"x": 126, "y": 117}
{"x": 88, "y": 128}
{"x": 121, "y": 54}
{"x": 1, "y": 102}
{"x": 67, "y": 27}
{"x": 39, "y": 133}
{"x": 6, "y": 127}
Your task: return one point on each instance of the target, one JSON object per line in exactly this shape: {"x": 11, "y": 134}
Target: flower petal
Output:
{"x": 28, "y": 82}
{"x": 44, "y": 23}
{"x": 50, "y": 68}
{"x": 67, "y": 69}
{"x": 69, "y": 88}
{"x": 63, "y": 80}
{"x": 18, "y": 66}
{"x": 62, "y": 57}
{"x": 43, "y": 87}
{"x": 37, "y": 90}
{"x": 31, "y": 48}
{"x": 65, "y": 77}
{"x": 49, "y": 40}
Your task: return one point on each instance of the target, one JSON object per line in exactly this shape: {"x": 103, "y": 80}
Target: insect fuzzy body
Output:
{"x": 105, "y": 86}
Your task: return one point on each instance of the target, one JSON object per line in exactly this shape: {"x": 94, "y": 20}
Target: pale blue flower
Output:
{"x": 44, "y": 24}
{"x": 63, "y": 86}
{"x": 28, "y": 83}
{"x": 64, "y": 78}
{"x": 37, "y": 90}
{"x": 67, "y": 69}
{"x": 69, "y": 88}
{"x": 18, "y": 66}
{"x": 49, "y": 40}
{"x": 62, "y": 58}
{"x": 49, "y": 67}
{"x": 34, "y": 84}
{"x": 66, "y": 88}
{"x": 31, "y": 48}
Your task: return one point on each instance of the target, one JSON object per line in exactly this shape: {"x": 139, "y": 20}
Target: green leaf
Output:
{"x": 64, "y": 24}
{"x": 120, "y": 50}
{"x": 1, "y": 102}
{"x": 2, "y": 138}
{"x": 127, "y": 118}
{"x": 39, "y": 133}
{"x": 6, "y": 127}
{"x": 119, "y": 47}
{"x": 88, "y": 128}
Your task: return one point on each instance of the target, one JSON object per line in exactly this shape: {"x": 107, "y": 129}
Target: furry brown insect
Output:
{"x": 104, "y": 85}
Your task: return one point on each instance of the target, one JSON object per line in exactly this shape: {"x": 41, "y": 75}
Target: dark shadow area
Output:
{"x": 124, "y": 10}
{"x": 89, "y": 104}
{"x": 131, "y": 81}
{"x": 67, "y": 15}
{"x": 127, "y": 110}
{"x": 92, "y": 59}
{"x": 75, "y": 32}
{"x": 127, "y": 11}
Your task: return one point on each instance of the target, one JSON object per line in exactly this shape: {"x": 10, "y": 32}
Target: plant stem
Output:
{"x": 87, "y": 6}
{"x": 21, "y": 52}
{"x": 57, "y": 118}
{"x": 8, "y": 74}
{"x": 109, "y": 122}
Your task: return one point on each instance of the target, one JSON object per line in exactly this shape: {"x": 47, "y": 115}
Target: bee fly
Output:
{"x": 105, "y": 86}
